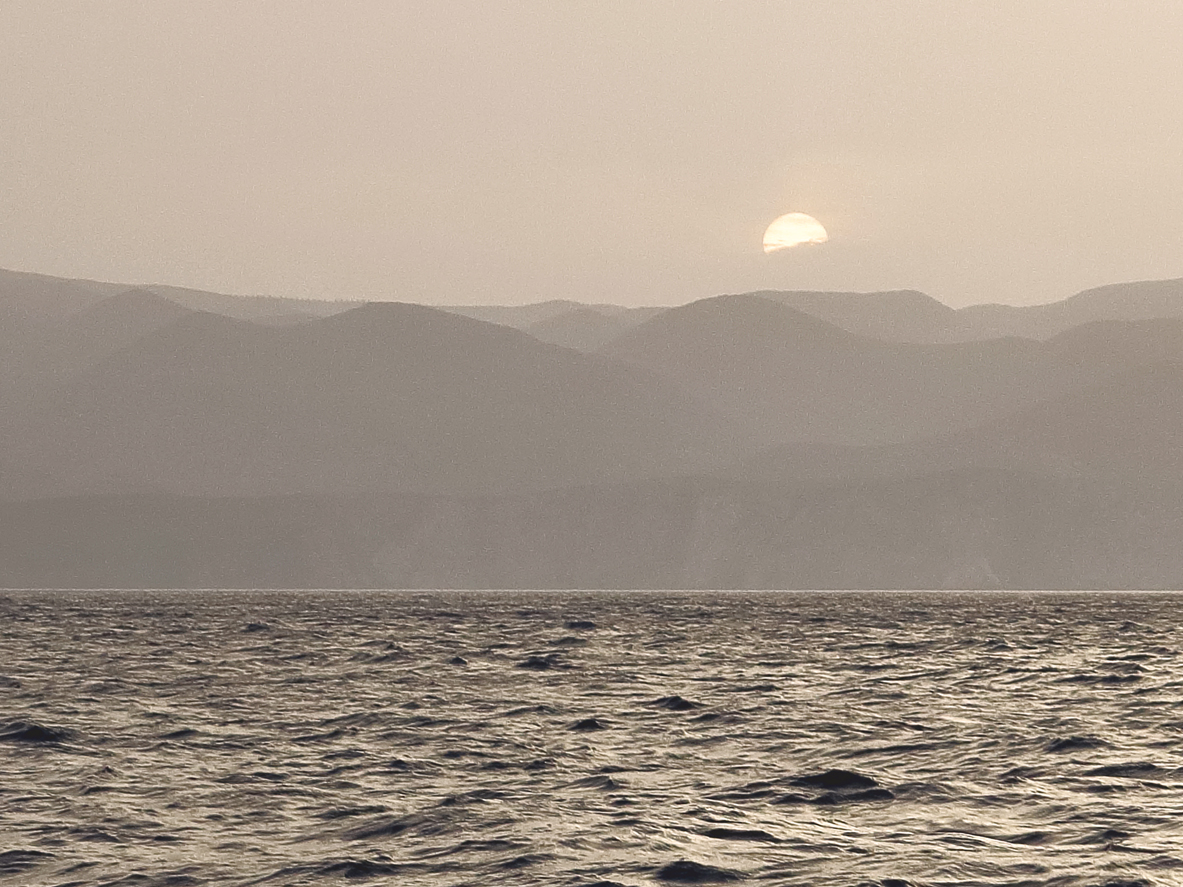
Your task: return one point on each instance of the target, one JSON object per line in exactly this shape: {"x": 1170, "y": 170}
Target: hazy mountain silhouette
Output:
{"x": 516, "y": 316}
{"x": 561, "y": 321}
{"x": 85, "y": 338}
{"x": 166, "y": 436}
{"x": 970, "y": 529}
{"x": 386, "y": 396}
{"x": 266, "y": 309}
{"x": 786, "y": 376}
{"x": 584, "y": 329}
{"x": 54, "y": 350}
{"x": 1141, "y": 300}
{"x": 40, "y": 297}
{"x": 31, "y": 302}
{"x": 1128, "y": 427}
{"x": 895, "y": 316}
{"x": 910, "y": 316}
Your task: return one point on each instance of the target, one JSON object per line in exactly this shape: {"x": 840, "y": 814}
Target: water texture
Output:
{"x": 189, "y": 738}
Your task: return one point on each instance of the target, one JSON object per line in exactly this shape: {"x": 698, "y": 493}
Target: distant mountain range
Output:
{"x": 163, "y": 436}
{"x": 910, "y": 316}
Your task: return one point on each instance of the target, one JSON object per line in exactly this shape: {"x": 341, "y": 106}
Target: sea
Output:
{"x": 182, "y": 738}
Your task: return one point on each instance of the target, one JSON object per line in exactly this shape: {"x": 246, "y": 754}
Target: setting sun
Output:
{"x": 793, "y": 229}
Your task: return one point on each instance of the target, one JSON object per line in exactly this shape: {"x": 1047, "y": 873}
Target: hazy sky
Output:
{"x": 468, "y": 151}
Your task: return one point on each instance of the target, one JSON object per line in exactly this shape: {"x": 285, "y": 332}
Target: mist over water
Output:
{"x": 457, "y": 738}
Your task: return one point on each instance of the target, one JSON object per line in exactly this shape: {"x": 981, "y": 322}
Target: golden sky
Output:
{"x": 450, "y": 151}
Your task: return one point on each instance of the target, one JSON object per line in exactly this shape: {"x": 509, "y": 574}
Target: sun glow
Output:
{"x": 793, "y": 229}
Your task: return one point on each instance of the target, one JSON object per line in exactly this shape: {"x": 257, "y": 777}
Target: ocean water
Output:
{"x": 485, "y": 738}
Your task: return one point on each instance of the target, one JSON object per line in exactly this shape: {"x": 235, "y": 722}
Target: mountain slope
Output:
{"x": 969, "y": 529}
{"x": 516, "y": 316}
{"x": 266, "y": 309}
{"x": 561, "y": 321}
{"x": 49, "y": 352}
{"x": 786, "y": 376}
{"x": 107, "y": 327}
{"x": 583, "y": 329}
{"x": 1140, "y": 300}
{"x": 1129, "y": 426}
{"x": 30, "y": 303}
{"x": 386, "y": 396}
{"x": 40, "y": 297}
{"x": 790, "y": 378}
{"x": 911, "y": 317}
{"x": 894, "y": 316}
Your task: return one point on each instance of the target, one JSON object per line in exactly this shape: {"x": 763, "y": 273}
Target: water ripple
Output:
{"x": 172, "y": 738}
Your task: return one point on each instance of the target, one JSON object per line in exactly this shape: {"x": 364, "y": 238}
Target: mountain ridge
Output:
{"x": 735, "y": 441}
{"x": 388, "y": 394}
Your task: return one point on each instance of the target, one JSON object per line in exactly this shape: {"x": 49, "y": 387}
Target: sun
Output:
{"x": 793, "y": 229}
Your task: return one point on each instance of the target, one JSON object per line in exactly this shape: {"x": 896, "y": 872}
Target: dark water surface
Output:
{"x": 186, "y": 738}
